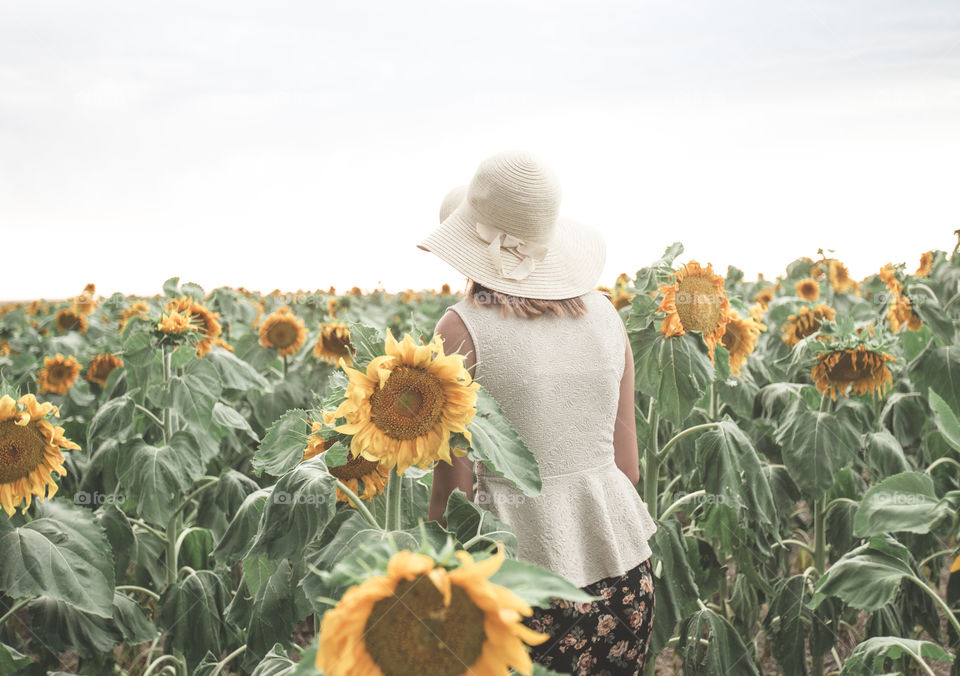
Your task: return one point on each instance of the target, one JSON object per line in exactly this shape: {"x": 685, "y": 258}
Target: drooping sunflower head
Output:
{"x": 901, "y": 313}
{"x": 333, "y": 344}
{"x": 764, "y": 297}
{"x": 402, "y": 411}
{"x": 85, "y": 303}
{"x": 695, "y": 301}
{"x": 202, "y": 319}
{"x": 356, "y": 471}
{"x": 456, "y": 621}
{"x": 445, "y": 290}
{"x": 888, "y": 275}
{"x": 740, "y": 339}
{"x": 621, "y": 295}
{"x": 30, "y": 450}
{"x": 69, "y": 319}
{"x": 332, "y": 305}
{"x": 805, "y": 322}
{"x": 137, "y": 308}
{"x": 926, "y": 265}
{"x": 282, "y": 331}
{"x": 58, "y": 374}
{"x": 840, "y": 278}
{"x": 756, "y": 314}
{"x": 175, "y": 324}
{"x": 101, "y": 366}
{"x": 808, "y": 289}
{"x": 866, "y": 370}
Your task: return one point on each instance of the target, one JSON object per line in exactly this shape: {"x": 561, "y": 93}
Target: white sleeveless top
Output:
{"x": 557, "y": 380}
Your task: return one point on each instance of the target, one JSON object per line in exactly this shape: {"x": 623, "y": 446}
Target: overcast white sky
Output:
{"x": 304, "y": 144}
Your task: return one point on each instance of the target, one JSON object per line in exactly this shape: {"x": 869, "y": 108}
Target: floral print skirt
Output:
{"x": 608, "y": 637}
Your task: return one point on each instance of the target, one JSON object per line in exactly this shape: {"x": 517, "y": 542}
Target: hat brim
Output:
{"x": 571, "y": 268}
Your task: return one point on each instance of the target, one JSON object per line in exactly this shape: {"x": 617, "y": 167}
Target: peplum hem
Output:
{"x": 585, "y": 525}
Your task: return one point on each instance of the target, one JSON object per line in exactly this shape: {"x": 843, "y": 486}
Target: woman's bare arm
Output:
{"x": 446, "y": 477}
{"x": 625, "y": 430}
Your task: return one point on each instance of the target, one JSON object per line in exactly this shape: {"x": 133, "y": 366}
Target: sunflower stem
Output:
{"x": 667, "y": 447}
{"x": 173, "y": 533}
{"x": 714, "y": 402}
{"x": 226, "y": 660}
{"x": 951, "y": 616}
{"x": 16, "y": 606}
{"x": 393, "y": 499}
{"x": 134, "y": 588}
{"x": 819, "y": 537}
{"x": 149, "y": 415}
{"x": 651, "y": 464}
{"x": 284, "y": 367}
{"x": 358, "y": 503}
{"x": 167, "y": 418}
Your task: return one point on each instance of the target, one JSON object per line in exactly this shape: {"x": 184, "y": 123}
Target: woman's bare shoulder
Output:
{"x": 454, "y": 332}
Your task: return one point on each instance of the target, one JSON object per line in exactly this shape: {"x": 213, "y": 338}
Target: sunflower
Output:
{"x": 926, "y": 265}
{"x": 176, "y": 323}
{"x": 888, "y": 275}
{"x": 808, "y": 289}
{"x": 816, "y": 269}
{"x": 85, "y": 302}
{"x": 901, "y": 312}
{"x": 756, "y": 314}
{"x": 356, "y": 291}
{"x": 101, "y": 366}
{"x": 333, "y": 343}
{"x": 764, "y": 297}
{"x": 58, "y": 374}
{"x": 696, "y": 301}
{"x": 621, "y": 295}
{"x": 136, "y": 309}
{"x": 355, "y": 470}
{"x": 740, "y": 338}
{"x": 840, "y": 278}
{"x": 332, "y": 305}
{"x": 205, "y": 321}
{"x": 456, "y": 621}
{"x": 283, "y": 332}
{"x": 865, "y": 369}
{"x": 805, "y": 322}
{"x": 445, "y": 289}
{"x": 404, "y": 408}
{"x": 261, "y": 305}
{"x": 69, "y": 319}
{"x": 4, "y": 348}
{"x": 29, "y": 451}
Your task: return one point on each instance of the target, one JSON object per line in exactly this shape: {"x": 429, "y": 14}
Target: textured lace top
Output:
{"x": 557, "y": 380}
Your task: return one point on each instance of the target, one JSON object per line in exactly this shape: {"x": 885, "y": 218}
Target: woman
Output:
{"x": 554, "y": 353}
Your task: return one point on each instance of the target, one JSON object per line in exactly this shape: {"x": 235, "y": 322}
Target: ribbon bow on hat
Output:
{"x": 530, "y": 253}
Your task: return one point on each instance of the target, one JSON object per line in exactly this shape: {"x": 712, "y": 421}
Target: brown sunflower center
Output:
{"x": 409, "y": 404}
{"x": 282, "y": 334}
{"x": 58, "y": 373}
{"x": 68, "y": 321}
{"x": 732, "y": 338}
{"x": 412, "y": 633}
{"x": 852, "y": 366}
{"x": 21, "y": 450}
{"x": 698, "y": 304}
{"x": 355, "y": 468}
{"x": 335, "y": 345}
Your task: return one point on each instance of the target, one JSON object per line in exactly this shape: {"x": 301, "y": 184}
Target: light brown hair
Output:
{"x": 520, "y": 306}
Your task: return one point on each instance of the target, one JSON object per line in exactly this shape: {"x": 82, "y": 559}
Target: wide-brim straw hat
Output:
{"x": 505, "y": 232}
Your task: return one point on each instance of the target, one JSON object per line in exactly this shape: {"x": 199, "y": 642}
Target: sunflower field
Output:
{"x": 231, "y": 482}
